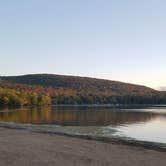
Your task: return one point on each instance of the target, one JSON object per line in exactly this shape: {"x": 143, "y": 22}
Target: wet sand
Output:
{"x": 27, "y": 148}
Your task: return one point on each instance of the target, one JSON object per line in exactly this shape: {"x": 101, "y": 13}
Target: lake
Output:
{"x": 143, "y": 124}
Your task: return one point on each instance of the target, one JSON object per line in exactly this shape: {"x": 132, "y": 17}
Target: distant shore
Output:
{"x": 25, "y": 147}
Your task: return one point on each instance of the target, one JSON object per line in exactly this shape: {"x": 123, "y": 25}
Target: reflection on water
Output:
{"x": 153, "y": 131}
{"x": 141, "y": 124}
{"x": 76, "y": 116}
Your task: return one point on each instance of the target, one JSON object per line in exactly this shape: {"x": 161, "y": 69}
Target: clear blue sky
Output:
{"x": 113, "y": 39}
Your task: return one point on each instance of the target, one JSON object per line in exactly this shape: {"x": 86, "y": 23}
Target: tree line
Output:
{"x": 10, "y": 97}
{"x": 113, "y": 100}
{"x": 39, "y": 90}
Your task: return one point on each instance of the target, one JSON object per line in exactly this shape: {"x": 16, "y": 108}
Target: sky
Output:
{"x": 112, "y": 39}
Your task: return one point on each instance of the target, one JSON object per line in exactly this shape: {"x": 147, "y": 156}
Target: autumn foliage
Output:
{"x": 57, "y": 89}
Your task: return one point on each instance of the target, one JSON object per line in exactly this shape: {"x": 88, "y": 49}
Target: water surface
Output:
{"x": 145, "y": 124}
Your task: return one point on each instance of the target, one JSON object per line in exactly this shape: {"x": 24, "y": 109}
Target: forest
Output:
{"x": 44, "y": 89}
{"x": 10, "y": 97}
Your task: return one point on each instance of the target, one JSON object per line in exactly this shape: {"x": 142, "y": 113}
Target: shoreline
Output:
{"x": 110, "y": 140}
{"x": 25, "y": 147}
{"x": 88, "y": 105}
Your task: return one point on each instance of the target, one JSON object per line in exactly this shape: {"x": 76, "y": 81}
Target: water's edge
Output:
{"x": 112, "y": 140}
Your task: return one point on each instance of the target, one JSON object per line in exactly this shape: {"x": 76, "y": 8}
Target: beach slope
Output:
{"x": 27, "y": 148}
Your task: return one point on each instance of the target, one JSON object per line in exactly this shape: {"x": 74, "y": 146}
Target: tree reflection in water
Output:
{"x": 75, "y": 116}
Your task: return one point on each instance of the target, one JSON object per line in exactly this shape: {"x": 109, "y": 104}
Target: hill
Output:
{"x": 85, "y": 84}
{"x": 82, "y": 90}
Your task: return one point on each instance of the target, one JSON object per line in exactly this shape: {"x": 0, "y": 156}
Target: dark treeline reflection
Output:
{"x": 76, "y": 116}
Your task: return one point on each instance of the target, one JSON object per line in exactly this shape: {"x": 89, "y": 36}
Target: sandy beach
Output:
{"x": 27, "y": 148}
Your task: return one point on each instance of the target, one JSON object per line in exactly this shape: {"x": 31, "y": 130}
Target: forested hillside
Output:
{"x": 81, "y": 84}
{"x": 83, "y": 90}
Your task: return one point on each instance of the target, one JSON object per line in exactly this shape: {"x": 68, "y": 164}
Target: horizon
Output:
{"x": 113, "y": 40}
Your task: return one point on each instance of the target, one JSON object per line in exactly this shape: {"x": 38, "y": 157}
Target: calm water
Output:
{"x": 148, "y": 124}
